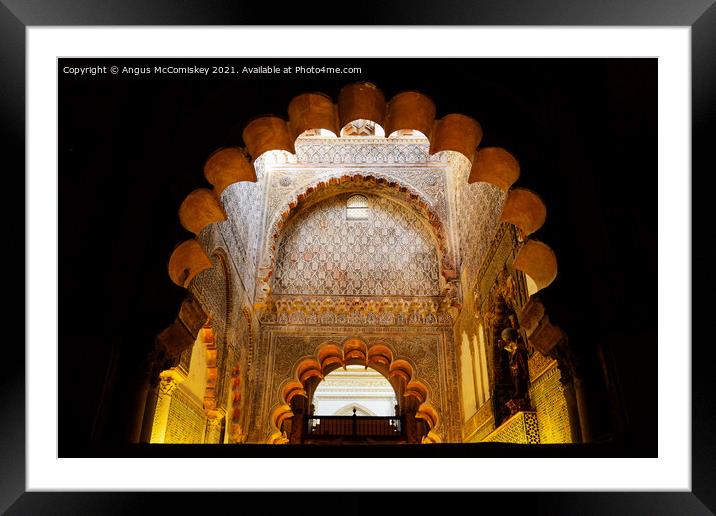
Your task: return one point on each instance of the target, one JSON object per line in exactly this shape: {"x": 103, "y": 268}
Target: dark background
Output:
{"x": 131, "y": 148}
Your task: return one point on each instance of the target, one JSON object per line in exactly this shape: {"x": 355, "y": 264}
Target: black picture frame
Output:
{"x": 700, "y": 15}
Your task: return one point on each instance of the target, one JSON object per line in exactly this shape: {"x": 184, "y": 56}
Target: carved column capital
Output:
{"x": 214, "y": 423}
{"x": 214, "y": 417}
{"x": 168, "y": 382}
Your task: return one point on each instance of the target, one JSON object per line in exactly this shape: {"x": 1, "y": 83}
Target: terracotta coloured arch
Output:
{"x": 291, "y": 389}
{"x": 329, "y": 354}
{"x": 524, "y": 209}
{"x": 199, "y": 209}
{"x": 428, "y": 414}
{"x": 457, "y": 133}
{"x": 227, "y": 166}
{"x": 312, "y": 111}
{"x": 361, "y": 101}
{"x": 417, "y": 389}
{"x": 380, "y": 355}
{"x": 537, "y": 261}
{"x": 410, "y": 110}
{"x": 307, "y": 369}
{"x": 278, "y": 416}
{"x": 495, "y": 165}
{"x": 401, "y": 369}
{"x": 355, "y": 351}
{"x": 267, "y": 133}
{"x": 187, "y": 260}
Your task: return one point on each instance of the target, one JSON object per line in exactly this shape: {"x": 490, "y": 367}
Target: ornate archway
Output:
{"x": 451, "y": 140}
{"x": 411, "y": 391}
{"x": 453, "y": 133}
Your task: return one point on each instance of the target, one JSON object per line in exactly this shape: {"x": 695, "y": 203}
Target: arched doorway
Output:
{"x": 295, "y": 421}
{"x": 354, "y": 403}
{"x": 354, "y": 387}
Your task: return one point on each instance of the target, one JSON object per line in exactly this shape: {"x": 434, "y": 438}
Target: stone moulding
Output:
{"x": 321, "y": 310}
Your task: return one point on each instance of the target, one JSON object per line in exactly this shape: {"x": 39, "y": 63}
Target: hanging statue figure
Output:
{"x": 518, "y": 362}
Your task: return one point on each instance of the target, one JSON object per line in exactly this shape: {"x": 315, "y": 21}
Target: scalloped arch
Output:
{"x": 537, "y": 260}
{"x": 410, "y": 110}
{"x": 322, "y": 361}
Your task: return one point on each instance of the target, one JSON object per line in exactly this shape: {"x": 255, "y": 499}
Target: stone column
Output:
{"x": 168, "y": 382}
{"x": 214, "y": 425}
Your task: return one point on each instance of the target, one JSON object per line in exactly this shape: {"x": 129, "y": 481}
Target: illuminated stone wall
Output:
{"x": 467, "y": 379}
{"x": 186, "y": 423}
{"x": 480, "y": 425}
{"x": 522, "y": 428}
{"x": 470, "y": 334}
{"x": 185, "y": 420}
{"x": 548, "y": 399}
{"x": 477, "y": 212}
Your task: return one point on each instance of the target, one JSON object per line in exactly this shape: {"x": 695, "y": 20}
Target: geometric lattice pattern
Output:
{"x": 389, "y": 254}
{"x": 521, "y": 428}
{"x": 479, "y": 206}
{"x": 531, "y": 428}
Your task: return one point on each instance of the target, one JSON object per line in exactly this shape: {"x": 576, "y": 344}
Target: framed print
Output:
{"x": 359, "y": 259}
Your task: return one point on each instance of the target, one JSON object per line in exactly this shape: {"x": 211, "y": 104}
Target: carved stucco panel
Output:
{"x": 390, "y": 254}
{"x": 478, "y": 207}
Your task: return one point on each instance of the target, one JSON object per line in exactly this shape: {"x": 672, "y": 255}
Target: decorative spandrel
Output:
{"x": 390, "y": 253}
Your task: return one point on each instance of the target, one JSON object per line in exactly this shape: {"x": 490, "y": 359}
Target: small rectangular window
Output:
{"x": 357, "y": 208}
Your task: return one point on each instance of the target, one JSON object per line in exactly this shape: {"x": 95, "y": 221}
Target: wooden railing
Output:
{"x": 353, "y": 426}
